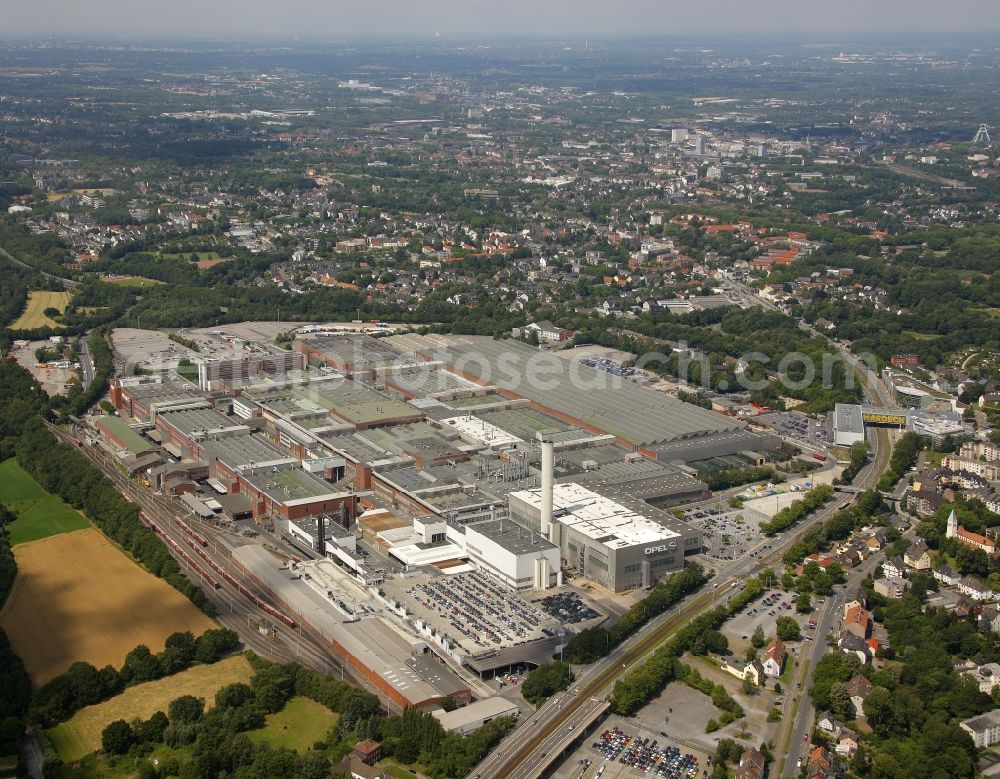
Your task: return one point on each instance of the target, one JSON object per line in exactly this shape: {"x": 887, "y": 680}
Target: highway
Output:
{"x": 527, "y": 751}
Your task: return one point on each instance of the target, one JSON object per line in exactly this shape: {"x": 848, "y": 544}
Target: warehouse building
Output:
{"x": 582, "y": 396}
{"x": 216, "y": 374}
{"x": 466, "y": 719}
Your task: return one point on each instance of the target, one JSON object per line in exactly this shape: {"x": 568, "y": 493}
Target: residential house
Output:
{"x": 946, "y": 575}
{"x": 975, "y": 589}
{"x": 894, "y": 566}
{"x": 917, "y": 556}
{"x": 859, "y": 688}
{"x": 368, "y": 751}
{"x": 847, "y": 743}
{"x": 353, "y": 766}
{"x": 989, "y": 619}
{"x": 819, "y": 763}
{"x": 987, "y": 676}
{"x": 984, "y": 729}
{"x": 828, "y": 724}
{"x": 773, "y": 659}
{"x": 754, "y": 671}
{"x": 752, "y": 764}
{"x": 849, "y": 642}
{"x": 891, "y": 587}
{"x": 857, "y": 621}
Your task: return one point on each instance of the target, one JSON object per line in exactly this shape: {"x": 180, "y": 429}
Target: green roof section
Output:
{"x": 130, "y": 439}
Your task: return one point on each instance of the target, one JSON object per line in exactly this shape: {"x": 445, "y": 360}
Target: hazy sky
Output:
{"x": 496, "y": 18}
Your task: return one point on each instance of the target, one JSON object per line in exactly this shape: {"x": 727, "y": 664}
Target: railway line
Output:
{"x": 523, "y": 755}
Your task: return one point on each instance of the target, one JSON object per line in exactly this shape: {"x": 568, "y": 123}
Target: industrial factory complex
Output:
{"x": 434, "y": 486}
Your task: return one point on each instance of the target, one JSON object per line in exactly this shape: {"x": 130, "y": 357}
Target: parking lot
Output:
{"x": 763, "y": 613}
{"x": 623, "y": 747}
{"x": 567, "y": 607}
{"x": 792, "y": 424}
{"x": 728, "y": 533}
{"x": 472, "y": 609}
{"x": 645, "y": 754}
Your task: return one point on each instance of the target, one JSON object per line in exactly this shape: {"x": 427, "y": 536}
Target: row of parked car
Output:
{"x": 639, "y": 753}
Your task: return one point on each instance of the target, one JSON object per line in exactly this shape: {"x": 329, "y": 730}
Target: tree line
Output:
{"x": 63, "y": 471}
{"x": 84, "y": 685}
{"x": 798, "y": 510}
{"x": 594, "y": 643}
{"x": 644, "y": 682}
{"x": 215, "y": 742}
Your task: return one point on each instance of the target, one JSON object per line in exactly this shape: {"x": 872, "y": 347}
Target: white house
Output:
{"x": 984, "y": 729}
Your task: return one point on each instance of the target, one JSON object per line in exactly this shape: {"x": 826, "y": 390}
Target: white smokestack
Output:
{"x": 548, "y": 477}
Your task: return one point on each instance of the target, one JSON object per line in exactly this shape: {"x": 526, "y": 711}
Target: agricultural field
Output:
{"x": 298, "y": 726}
{"x": 81, "y": 735}
{"x": 34, "y": 317}
{"x": 79, "y": 597}
{"x": 39, "y": 515}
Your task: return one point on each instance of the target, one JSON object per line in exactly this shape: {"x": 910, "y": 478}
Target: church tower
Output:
{"x": 952, "y": 531}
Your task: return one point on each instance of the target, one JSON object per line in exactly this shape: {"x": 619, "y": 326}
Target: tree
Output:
{"x": 840, "y": 701}
{"x": 804, "y": 604}
{"x": 141, "y": 665}
{"x": 186, "y": 708}
{"x": 748, "y": 687}
{"x": 546, "y": 680}
{"x": 788, "y": 629}
{"x": 758, "y": 639}
{"x": 117, "y": 738}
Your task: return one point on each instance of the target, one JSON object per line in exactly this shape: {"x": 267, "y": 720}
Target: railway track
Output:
{"x": 510, "y": 758}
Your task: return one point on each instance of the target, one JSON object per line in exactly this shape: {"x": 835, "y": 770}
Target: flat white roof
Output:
{"x": 482, "y": 431}
{"x": 598, "y": 517}
{"x": 487, "y": 708}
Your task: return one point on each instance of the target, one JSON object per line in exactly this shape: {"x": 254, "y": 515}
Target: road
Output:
{"x": 86, "y": 361}
{"x": 60, "y": 279}
{"x": 793, "y": 731}
{"x": 527, "y": 749}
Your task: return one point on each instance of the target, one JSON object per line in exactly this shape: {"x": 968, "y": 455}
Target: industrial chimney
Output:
{"x": 321, "y": 541}
{"x": 548, "y": 477}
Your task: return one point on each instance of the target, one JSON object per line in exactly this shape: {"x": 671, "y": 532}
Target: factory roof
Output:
{"x": 357, "y": 350}
{"x": 200, "y": 420}
{"x": 290, "y": 486}
{"x": 474, "y": 713}
{"x": 598, "y": 517}
{"x": 244, "y": 451}
{"x": 610, "y": 403}
{"x": 356, "y": 403}
{"x": 383, "y": 648}
{"x": 511, "y": 536}
{"x": 847, "y": 418}
{"x": 128, "y": 438}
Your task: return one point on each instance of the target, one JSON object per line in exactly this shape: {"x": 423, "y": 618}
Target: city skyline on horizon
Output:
{"x": 548, "y": 19}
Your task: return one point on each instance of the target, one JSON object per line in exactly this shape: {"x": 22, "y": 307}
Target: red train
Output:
{"x": 182, "y": 553}
{"x": 191, "y": 531}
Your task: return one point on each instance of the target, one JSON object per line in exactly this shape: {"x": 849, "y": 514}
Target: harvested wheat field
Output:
{"x": 78, "y": 597}
{"x": 81, "y": 735}
{"x": 34, "y": 316}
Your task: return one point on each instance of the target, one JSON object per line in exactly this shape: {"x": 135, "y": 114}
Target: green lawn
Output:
{"x": 135, "y": 281}
{"x": 298, "y": 726}
{"x": 39, "y": 515}
{"x": 187, "y": 256}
